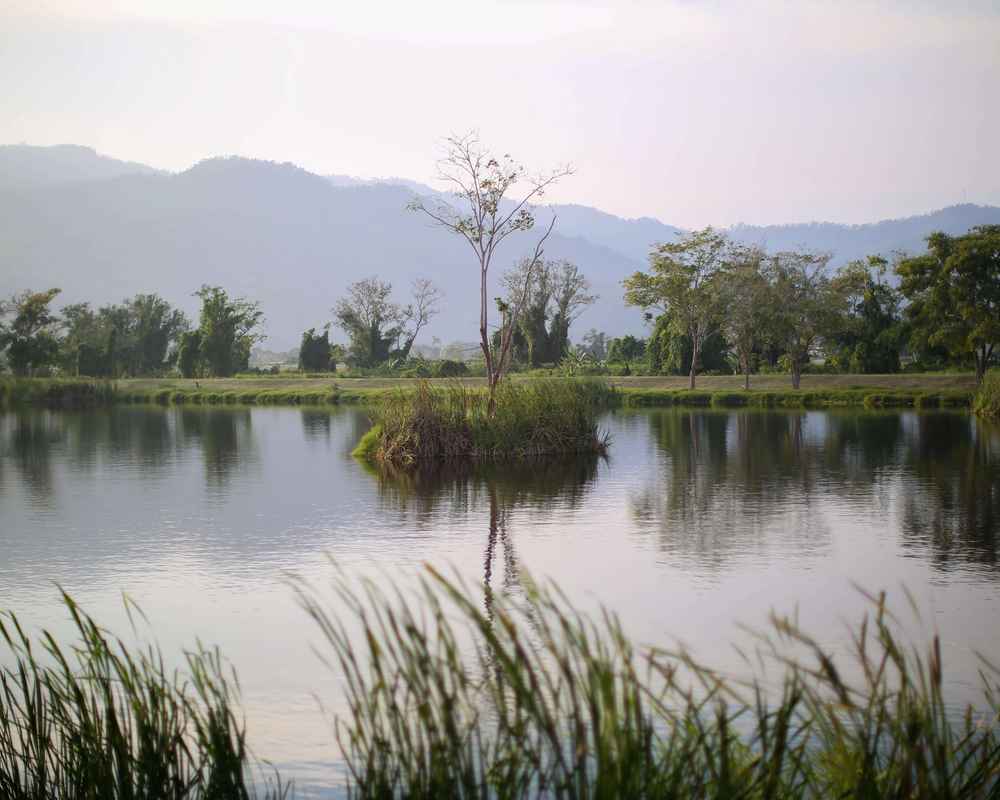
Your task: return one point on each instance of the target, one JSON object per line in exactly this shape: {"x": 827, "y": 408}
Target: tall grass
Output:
{"x": 99, "y": 720}
{"x": 987, "y": 402}
{"x": 532, "y": 419}
{"x": 555, "y": 704}
{"x": 55, "y": 392}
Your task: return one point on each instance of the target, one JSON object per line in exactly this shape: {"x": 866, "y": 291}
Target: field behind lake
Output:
{"x": 910, "y": 382}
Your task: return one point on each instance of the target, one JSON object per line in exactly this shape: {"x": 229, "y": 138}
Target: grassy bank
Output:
{"x": 865, "y": 398}
{"x": 549, "y": 703}
{"x": 531, "y": 420}
{"x": 55, "y": 393}
{"x": 917, "y": 391}
{"x": 987, "y": 402}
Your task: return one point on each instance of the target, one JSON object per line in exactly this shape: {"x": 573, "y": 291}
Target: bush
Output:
{"x": 449, "y": 369}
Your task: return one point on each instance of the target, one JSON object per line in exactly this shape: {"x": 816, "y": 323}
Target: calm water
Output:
{"x": 698, "y": 522}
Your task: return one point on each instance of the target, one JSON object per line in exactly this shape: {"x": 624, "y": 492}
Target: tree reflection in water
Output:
{"x": 499, "y": 488}
{"x": 728, "y": 478}
{"x": 954, "y": 503}
{"x": 225, "y": 438}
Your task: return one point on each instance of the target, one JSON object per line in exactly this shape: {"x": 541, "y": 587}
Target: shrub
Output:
{"x": 449, "y": 369}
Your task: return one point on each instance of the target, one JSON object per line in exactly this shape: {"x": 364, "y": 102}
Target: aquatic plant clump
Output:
{"x": 556, "y": 704}
{"x": 531, "y": 419}
{"x": 987, "y": 402}
{"x": 100, "y": 720}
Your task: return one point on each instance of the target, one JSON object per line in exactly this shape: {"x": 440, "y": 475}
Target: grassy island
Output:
{"x": 531, "y": 419}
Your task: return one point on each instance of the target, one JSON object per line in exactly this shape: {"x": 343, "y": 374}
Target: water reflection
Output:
{"x": 27, "y": 440}
{"x": 465, "y": 488}
{"x": 225, "y": 438}
{"x": 728, "y": 481}
{"x": 316, "y": 424}
{"x": 954, "y": 503}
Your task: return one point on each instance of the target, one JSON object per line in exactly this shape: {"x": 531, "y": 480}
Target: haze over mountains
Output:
{"x": 103, "y": 229}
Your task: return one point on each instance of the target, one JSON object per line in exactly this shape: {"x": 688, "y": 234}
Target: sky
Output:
{"x": 693, "y": 112}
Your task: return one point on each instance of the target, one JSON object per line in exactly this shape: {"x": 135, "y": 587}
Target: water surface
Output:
{"x": 698, "y": 522}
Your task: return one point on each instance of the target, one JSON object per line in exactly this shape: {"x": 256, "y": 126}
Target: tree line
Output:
{"x": 713, "y": 305}
{"x": 142, "y": 336}
{"x": 724, "y": 306}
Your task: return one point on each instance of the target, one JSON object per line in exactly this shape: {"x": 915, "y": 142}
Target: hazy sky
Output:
{"x": 693, "y": 112}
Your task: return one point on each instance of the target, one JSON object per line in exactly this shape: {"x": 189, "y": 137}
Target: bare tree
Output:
{"x": 485, "y": 216}
{"x": 425, "y": 305}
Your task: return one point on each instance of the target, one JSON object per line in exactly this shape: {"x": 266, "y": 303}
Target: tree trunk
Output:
{"x": 694, "y": 364}
{"x": 796, "y": 374}
{"x": 982, "y": 357}
{"x": 484, "y": 343}
{"x": 746, "y": 378}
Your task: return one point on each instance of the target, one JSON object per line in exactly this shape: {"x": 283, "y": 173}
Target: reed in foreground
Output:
{"x": 99, "y": 721}
{"x": 555, "y": 704}
{"x": 531, "y": 419}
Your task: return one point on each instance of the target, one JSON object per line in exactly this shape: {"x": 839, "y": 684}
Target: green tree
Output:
{"x": 30, "y": 337}
{"x": 683, "y": 282}
{"x": 954, "y": 294}
{"x": 595, "y": 343}
{"x": 807, "y": 308}
{"x": 228, "y": 331}
{"x": 557, "y": 293}
{"x": 626, "y": 350}
{"x": 871, "y": 337}
{"x": 315, "y": 352}
{"x": 137, "y": 337}
{"x": 747, "y": 298}
{"x": 372, "y": 322}
{"x": 189, "y": 354}
{"x": 155, "y": 329}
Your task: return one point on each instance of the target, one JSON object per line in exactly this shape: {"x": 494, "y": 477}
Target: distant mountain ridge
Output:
{"x": 103, "y": 229}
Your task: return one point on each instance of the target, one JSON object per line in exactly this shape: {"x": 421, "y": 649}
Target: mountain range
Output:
{"x": 104, "y": 229}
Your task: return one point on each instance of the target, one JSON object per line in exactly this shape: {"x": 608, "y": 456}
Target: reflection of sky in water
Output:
{"x": 698, "y": 521}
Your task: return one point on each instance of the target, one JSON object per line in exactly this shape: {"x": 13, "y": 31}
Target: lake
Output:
{"x": 698, "y": 523}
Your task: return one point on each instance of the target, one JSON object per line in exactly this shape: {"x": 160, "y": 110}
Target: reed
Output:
{"x": 522, "y": 697}
{"x": 553, "y": 703}
{"x": 987, "y": 402}
{"x": 56, "y": 392}
{"x": 100, "y": 720}
{"x": 532, "y": 419}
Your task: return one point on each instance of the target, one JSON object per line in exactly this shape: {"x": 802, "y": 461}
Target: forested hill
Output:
{"x": 103, "y": 230}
